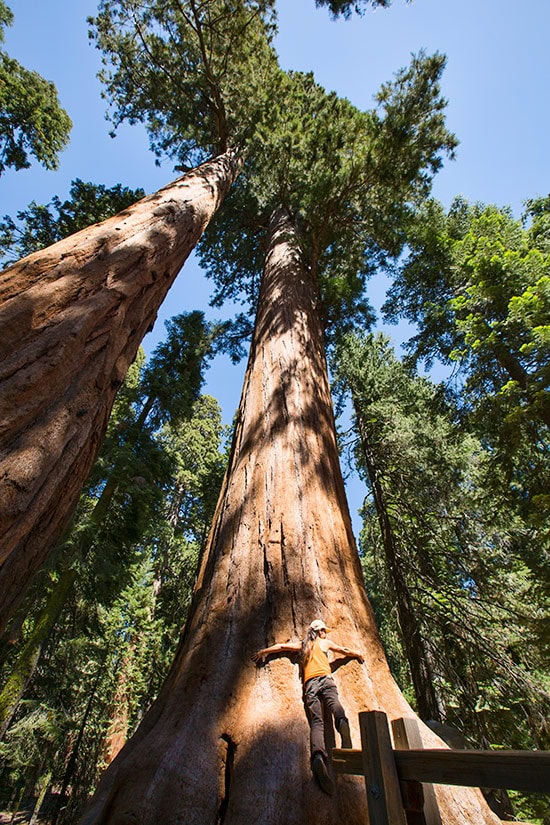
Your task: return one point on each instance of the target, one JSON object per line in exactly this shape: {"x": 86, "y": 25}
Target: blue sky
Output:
{"x": 497, "y": 84}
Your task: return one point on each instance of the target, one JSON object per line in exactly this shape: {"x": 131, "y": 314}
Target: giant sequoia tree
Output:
{"x": 281, "y": 550}
{"x": 227, "y": 742}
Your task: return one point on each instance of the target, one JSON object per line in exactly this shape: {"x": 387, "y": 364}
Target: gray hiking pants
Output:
{"x": 321, "y": 692}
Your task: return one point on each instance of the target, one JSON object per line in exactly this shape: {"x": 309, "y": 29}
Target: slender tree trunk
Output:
{"x": 27, "y": 660}
{"x": 18, "y": 800}
{"x": 226, "y": 742}
{"x": 117, "y": 733}
{"x": 71, "y": 764}
{"x": 72, "y": 318}
{"x": 43, "y": 785}
{"x": 418, "y": 656}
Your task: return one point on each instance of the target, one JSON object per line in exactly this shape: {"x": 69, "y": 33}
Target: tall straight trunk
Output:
{"x": 72, "y": 318}
{"x": 226, "y": 742}
{"x": 429, "y": 703}
{"x": 23, "y": 669}
{"x": 117, "y": 732}
{"x": 42, "y": 789}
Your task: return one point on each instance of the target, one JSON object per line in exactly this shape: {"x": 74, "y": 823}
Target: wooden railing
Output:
{"x": 400, "y": 779}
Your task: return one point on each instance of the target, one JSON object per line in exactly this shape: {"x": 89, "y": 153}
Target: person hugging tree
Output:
{"x": 319, "y": 691}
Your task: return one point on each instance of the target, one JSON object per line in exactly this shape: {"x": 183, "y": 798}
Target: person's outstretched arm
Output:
{"x": 287, "y": 647}
{"x": 346, "y": 652}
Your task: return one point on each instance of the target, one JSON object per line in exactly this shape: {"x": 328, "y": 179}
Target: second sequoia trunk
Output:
{"x": 227, "y": 742}
{"x": 72, "y": 318}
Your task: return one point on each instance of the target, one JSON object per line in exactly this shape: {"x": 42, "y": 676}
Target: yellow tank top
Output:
{"x": 318, "y": 663}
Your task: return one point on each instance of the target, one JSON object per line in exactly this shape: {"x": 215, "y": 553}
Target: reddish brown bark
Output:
{"x": 117, "y": 733}
{"x": 227, "y": 742}
{"x": 72, "y": 319}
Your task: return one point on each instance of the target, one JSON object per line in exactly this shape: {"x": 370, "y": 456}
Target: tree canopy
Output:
{"x": 196, "y": 74}
{"x": 348, "y": 177}
{"x": 477, "y": 283}
{"x": 32, "y": 121}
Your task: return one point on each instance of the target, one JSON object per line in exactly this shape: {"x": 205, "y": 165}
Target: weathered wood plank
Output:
{"x": 378, "y": 767}
{"x": 406, "y": 736}
{"x": 513, "y": 770}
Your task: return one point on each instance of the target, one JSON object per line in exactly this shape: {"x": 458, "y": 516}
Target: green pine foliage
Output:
{"x": 32, "y": 121}
{"x": 477, "y": 601}
{"x": 204, "y": 77}
{"x": 476, "y": 282}
{"x": 348, "y": 177}
{"x": 195, "y": 74}
{"x": 345, "y": 8}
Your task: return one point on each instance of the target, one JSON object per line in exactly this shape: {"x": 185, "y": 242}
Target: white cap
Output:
{"x": 318, "y": 624}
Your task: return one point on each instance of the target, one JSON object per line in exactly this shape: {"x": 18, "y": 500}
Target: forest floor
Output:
{"x": 25, "y": 811}
{"x": 24, "y": 815}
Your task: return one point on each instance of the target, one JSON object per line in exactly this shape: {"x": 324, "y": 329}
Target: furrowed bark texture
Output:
{"x": 226, "y": 742}
{"x": 72, "y": 318}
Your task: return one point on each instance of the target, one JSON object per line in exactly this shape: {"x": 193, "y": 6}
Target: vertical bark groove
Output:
{"x": 228, "y": 760}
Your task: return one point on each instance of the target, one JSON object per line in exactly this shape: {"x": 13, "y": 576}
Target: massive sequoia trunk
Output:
{"x": 72, "y": 318}
{"x": 226, "y": 741}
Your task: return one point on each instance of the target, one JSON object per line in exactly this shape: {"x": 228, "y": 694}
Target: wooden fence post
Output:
{"x": 406, "y": 736}
{"x": 381, "y": 780}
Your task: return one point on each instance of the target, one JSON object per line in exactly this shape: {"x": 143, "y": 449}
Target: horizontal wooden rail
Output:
{"x": 399, "y": 779}
{"x": 514, "y": 770}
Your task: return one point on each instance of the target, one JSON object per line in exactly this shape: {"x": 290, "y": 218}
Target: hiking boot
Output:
{"x": 321, "y": 774}
{"x": 345, "y": 734}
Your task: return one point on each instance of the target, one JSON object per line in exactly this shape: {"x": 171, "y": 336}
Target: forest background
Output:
{"x": 495, "y": 82}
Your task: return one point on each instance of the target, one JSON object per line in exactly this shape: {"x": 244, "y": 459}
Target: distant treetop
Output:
{"x": 347, "y": 7}
{"x": 32, "y": 121}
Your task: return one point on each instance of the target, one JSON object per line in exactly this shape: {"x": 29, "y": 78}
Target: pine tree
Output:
{"x": 436, "y": 552}
{"x": 476, "y": 283}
